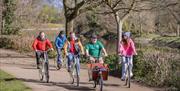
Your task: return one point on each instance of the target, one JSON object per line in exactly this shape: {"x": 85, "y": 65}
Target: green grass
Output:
{"x": 9, "y": 83}
{"x": 149, "y": 36}
{"x": 51, "y": 25}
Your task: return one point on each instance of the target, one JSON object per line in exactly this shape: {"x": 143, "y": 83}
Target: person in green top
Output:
{"x": 94, "y": 50}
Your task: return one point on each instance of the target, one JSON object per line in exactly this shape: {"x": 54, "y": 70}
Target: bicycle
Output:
{"x": 44, "y": 67}
{"x": 128, "y": 76}
{"x": 128, "y": 79}
{"x": 74, "y": 71}
{"x": 99, "y": 74}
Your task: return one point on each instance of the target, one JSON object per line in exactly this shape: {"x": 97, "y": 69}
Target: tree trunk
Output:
{"x": 69, "y": 27}
{"x": 1, "y": 19}
{"x": 119, "y": 31}
{"x": 178, "y": 30}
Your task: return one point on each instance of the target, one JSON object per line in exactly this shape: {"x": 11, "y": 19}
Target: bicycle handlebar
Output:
{"x": 44, "y": 51}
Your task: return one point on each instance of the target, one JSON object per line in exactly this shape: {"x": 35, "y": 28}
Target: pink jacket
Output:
{"x": 127, "y": 50}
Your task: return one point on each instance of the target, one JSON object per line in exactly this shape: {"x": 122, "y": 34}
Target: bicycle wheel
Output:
{"x": 129, "y": 77}
{"x": 41, "y": 76}
{"x": 77, "y": 76}
{"x": 101, "y": 83}
{"x": 46, "y": 67}
{"x": 72, "y": 73}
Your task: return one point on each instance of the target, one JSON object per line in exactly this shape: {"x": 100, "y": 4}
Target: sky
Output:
{"x": 56, "y": 3}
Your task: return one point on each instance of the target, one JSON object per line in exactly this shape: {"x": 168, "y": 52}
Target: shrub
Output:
{"x": 157, "y": 67}
{"x": 22, "y": 44}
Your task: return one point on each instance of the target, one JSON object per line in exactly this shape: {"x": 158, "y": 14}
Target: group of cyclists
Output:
{"x": 73, "y": 47}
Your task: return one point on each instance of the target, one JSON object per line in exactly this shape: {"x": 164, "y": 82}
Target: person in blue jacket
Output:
{"x": 59, "y": 43}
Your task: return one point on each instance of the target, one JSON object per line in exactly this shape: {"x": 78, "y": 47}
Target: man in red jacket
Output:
{"x": 40, "y": 44}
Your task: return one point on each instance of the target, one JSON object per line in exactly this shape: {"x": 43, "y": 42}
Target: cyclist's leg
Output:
{"x": 92, "y": 60}
{"x": 126, "y": 66}
{"x": 78, "y": 64}
{"x": 101, "y": 60}
{"x": 130, "y": 60}
{"x": 70, "y": 59}
{"x": 59, "y": 57}
{"x": 123, "y": 68}
{"x": 38, "y": 55}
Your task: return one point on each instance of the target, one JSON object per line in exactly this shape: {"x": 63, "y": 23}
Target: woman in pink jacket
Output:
{"x": 127, "y": 50}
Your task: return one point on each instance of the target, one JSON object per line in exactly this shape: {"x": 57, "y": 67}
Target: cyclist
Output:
{"x": 72, "y": 49}
{"x": 41, "y": 43}
{"x": 127, "y": 50}
{"x": 93, "y": 50}
{"x": 59, "y": 43}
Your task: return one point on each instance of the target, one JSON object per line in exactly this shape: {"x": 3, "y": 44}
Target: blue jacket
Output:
{"x": 60, "y": 41}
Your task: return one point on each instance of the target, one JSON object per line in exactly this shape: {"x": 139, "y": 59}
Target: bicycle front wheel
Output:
{"x": 41, "y": 75}
{"x": 77, "y": 76}
{"x": 129, "y": 78}
{"x": 101, "y": 83}
{"x": 46, "y": 72}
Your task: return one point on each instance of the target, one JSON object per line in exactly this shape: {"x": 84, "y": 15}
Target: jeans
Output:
{"x": 125, "y": 61}
{"x": 40, "y": 54}
{"x": 71, "y": 58}
{"x": 59, "y": 55}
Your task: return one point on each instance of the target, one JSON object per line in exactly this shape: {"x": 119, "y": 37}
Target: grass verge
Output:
{"x": 9, "y": 83}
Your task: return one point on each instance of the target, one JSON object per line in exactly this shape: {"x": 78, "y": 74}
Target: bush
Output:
{"x": 112, "y": 61}
{"x": 157, "y": 67}
{"x": 22, "y": 44}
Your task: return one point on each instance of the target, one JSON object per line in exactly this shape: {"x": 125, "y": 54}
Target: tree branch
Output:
{"x": 130, "y": 9}
{"x": 90, "y": 7}
{"x": 115, "y": 5}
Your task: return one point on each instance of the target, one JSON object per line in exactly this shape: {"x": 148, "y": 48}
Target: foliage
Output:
{"x": 49, "y": 14}
{"x": 9, "y": 17}
{"x": 153, "y": 66}
{"x": 22, "y": 44}
{"x": 156, "y": 66}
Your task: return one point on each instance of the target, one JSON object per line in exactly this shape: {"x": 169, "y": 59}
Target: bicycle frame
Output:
{"x": 44, "y": 68}
{"x": 128, "y": 78}
{"x": 99, "y": 80}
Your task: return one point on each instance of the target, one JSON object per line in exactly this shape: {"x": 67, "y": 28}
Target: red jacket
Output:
{"x": 41, "y": 45}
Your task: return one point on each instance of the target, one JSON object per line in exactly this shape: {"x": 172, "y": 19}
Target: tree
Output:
{"x": 120, "y": 9}
{"x": 8, "y": 17}
{"x": 73, "y": 8}
{"x": 167, "y": 17}
{"x": 49, "y": 14}
{"x": 1, "y": 19}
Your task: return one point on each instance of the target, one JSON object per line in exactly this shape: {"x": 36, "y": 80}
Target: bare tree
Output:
{"x": 73, "y": 8}
{"x": 1, "y": 20}
{"x": 120, "y": 9}
{"x": 168, "y": 15}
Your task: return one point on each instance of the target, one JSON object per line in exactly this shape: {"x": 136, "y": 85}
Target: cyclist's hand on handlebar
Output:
{"x": 135, "y": 53}
{"x": 52, "y": 49}
{"x": 106, "y": 55}
{"x": 83, "y": 53}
